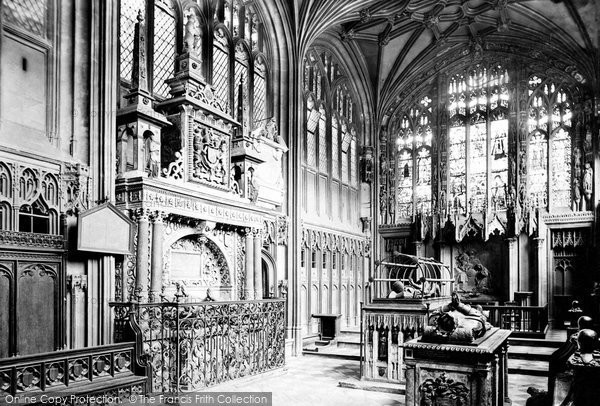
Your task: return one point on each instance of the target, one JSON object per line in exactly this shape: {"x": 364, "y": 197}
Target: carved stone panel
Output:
{"x": 210, "y": 156}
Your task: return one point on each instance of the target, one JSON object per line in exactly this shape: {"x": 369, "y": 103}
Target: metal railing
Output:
{"x": 524, "y": 321}
{"x": 192, "y": 346}
{"x": 66, "y": 369}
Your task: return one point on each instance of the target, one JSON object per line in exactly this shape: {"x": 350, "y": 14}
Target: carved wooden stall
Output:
{"x": 32, "y": 247}
{"x": 394, "y": 317}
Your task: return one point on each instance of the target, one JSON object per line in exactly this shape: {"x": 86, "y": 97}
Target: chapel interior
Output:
{"x": 193, "y": 192}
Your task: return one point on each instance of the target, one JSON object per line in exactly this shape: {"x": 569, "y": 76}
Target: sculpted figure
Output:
{"x": 456, "y": 322}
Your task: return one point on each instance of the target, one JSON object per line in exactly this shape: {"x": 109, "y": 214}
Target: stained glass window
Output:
{"x": 413, "y": 160}
{"x": 404, "y": 177}
{"x": 549, "y": 126}
{"x": 478, "y": 140}
{"x": 164, "y": 47}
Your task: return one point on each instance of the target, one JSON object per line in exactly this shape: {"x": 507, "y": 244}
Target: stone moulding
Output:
{"x": 185, "y": 205}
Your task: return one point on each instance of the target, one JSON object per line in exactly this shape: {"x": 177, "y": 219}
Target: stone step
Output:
{"x": 322, "y": 343}
{"x": 527, "y": 367}
{"x": 534, "y": 342}
{"x": 530, "y": 353}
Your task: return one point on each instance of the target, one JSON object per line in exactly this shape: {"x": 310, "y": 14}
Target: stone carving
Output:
{"x": 282, "y": 230}
{"x": 443, "y": 391}
{"x": 587, "y": 185}
{"x": 214, "y": 270}
{"x": 152, "y": 155}
{"x": 456, "y": 322}
{"x": 210, "y": 156}
{"x": 192, "y": 41}
{"x": 76, "y": 183}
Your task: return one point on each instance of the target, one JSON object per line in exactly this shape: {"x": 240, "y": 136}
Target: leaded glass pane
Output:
{"x": 30, "y": 15}
{"x": 423, "y": 181}
{"x": 345, "y": 167}
{"x": 538, "y": 170}
{"x": 353, "y": 164}
{"x": 404, "y": 176}
{"x": 260, "y": 92}
{"x": 221, "y": 68}
{"x": 164, "y": 50}
{"x": 241, "y": 80}
{"x": 335, "y": 153}
{"x": 128, "y": 18}
{"x": 499, "y": 164}
{"x": 311, "y": 142}
{"x": 477, "y": 166}
{"x": 457, "y": 168}
{"x": 561, "y": 169}
{"x": 322, "y": 142}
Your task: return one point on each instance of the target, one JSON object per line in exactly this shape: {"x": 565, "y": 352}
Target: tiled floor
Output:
{"x": 314, "y": 381}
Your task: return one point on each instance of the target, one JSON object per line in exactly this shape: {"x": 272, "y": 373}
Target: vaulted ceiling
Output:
{"x": 401, "y": 38}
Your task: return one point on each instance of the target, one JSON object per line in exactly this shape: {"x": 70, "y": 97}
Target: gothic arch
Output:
{"x": 271, "y": 271}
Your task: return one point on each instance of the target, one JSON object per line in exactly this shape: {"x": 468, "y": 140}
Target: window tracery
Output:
{"x": 331, "y": 144}
{"x": 550, "y": 149}
{"x": 478, "y": 139}
{"x": 414, "y": 136}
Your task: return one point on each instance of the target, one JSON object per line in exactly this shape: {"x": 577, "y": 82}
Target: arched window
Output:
{"x": 550, "y": 152}
{"x": 413, "y": 159}
{"x": 332, "y": 139}
{"x": 478, "y": 139}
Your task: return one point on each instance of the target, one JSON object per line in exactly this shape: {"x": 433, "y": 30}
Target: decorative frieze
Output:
{"x": 185, "y": 205}
{"x": 31, "y": 240}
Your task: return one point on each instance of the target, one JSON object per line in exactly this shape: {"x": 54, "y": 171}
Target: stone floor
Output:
{"x": 314, "y": 381}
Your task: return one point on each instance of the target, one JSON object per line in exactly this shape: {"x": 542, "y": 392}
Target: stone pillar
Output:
{"x": 249, "y": 289}
{"x": 513, "y": 267}
{"x": 258, "y": 287}
{"x": 157, "y": 256}
{"x": 542, "y": 273}
{"x": 141, "y": 280}
{"x": 419, "y": 248}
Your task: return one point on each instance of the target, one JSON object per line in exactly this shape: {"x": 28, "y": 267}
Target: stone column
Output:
{"x": 258, "y": 286}
{"x": 513, "y": 267}
{"x": 157, "y": 256}
{"x": 141, "y": 280}
{"x": 419, "y": 248}
{"x": 542, "y": 273}
{"x": 249, "y": 289}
